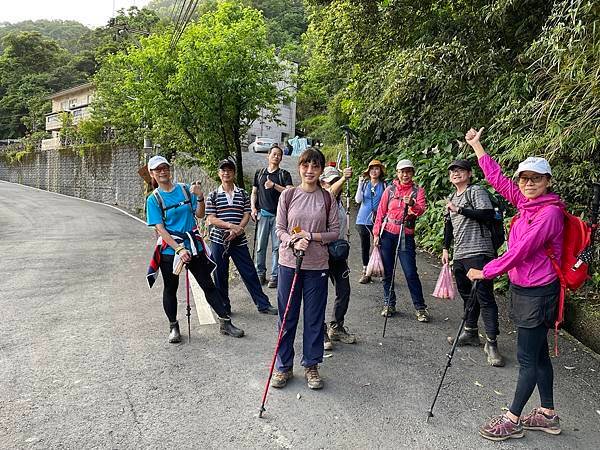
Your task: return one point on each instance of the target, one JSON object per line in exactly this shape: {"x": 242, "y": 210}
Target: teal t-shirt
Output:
{"x": 179, "y": 218}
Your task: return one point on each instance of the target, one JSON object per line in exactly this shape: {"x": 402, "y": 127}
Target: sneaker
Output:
{"x": 280, "y": 379}
{"x": 494, "y": 358}
{"x": 313, "y": 378}
{"x": 537, "y": 420}
{"x": 340, "y": 333}
{"x": 271, "y": 310}
{"x": 388, "y": 311}
{"x": 174, "y": 335}
{"x": 500, "y": 428}
{"x": 327, "y": 344}
{"x": 422, "y": 315}
{"x": 272, "y": 283}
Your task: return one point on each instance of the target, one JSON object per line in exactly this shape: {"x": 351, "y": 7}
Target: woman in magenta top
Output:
{"x": 304, "y": 208}
{"x": 534, "y": 286}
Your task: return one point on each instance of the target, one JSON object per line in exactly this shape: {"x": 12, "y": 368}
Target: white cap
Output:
{"x": 405, "y": 164}
{"x": 156, "y": 161}
{"x": 534, "y": 164}
{"x": 330, "y": 174}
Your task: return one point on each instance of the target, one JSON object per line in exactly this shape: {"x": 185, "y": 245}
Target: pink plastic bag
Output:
{"x": 375, "y": 266}
{"x": 444, "y": 288}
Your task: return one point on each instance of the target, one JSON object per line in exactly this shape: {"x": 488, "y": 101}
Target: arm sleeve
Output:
{"x": 448, "y": 232}
{"x": 481, "y": 215}
{"x": 333, "y": 226}
{"x": 493, "y": 174}
{"x": 211, "y": 208}
{"x": 287, "y": 178}
{"x": 358, "y": 197}
{"x": 281, "y": 221}
{"x": 382, "y": 210}
{"x": 420, "y": 206}
{"x": 247, "y": 208}
{"x": 547, "y": 223}
{"x": 153, "y": 212}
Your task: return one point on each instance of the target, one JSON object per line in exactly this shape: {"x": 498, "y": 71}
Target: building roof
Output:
{"x": 80, "y": 87}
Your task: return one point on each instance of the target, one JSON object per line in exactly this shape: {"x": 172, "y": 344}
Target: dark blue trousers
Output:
{"x": 311, "y": 286}
{"x": 243, "y": 262}
{"x": 407, "y": 256}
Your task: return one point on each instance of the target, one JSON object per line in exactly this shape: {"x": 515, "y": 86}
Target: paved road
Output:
{"x": 84, "y": 361}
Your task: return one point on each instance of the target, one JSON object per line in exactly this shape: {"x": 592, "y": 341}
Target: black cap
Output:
{"x": 462, "y": 163}
{"x": 226, "y": 163}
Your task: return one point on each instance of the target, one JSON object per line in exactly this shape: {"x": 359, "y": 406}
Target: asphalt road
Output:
{"x": 85, "y": 363}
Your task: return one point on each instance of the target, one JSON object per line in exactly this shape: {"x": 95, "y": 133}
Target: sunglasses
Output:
{"x": 534, "y": 179}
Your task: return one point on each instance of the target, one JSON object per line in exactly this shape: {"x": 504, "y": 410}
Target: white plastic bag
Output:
{"x": 375, "y": 266}
{"x": 444, "y": 288}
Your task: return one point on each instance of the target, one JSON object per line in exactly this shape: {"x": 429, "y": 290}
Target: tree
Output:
{"x": 200, "y": 96}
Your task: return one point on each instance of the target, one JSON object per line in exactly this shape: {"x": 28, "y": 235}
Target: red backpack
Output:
{"x": 574, "y": 262}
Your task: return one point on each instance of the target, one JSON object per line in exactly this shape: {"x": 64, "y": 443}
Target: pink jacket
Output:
{"x": 539, "y": 226}
{"x": 396, "y": 209}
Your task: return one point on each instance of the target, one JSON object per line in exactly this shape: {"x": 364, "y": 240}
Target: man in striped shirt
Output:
{"x": 228, "y": 213}
{"x": 469, "y": 211}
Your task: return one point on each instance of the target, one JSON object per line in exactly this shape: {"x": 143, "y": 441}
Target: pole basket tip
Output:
{"x": 260, "y": 412}
{"x": 429, "y": 416}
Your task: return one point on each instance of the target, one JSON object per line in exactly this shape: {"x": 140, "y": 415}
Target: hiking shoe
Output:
{"x": 313, "y": 378}
{"x": 340, "y": 333}
{"x": 271, "y": 310}
{"x": 273, "y": 283}
{"x": 327, "y": 344}
{"x": 466, "y": 337}
{"x": 422, "y": 315}
{"x": 388, "y": 311}
{"x": 537, "y": 420}
{"x": 280, "y": 379}
{"x": 263, "y": 279}
{"x": 228, "y": 328}
{"x": 500, "y": 428}
{"x": 174, "y": 335}
{"x": 364, "y": 279}
{"x": 494, "y": 358}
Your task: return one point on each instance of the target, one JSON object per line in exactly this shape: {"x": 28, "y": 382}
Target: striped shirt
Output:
{"x": 471, "y": 238}
{"x": 230, "y": 209}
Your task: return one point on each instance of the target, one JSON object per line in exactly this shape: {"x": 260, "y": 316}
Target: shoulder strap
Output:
{"x": 187, "y": 195}
{"x": 161, "y": 203}
{"x": 327, "y": 200}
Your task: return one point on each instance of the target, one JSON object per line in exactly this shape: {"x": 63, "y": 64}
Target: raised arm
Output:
{"x": 493, "y": 174}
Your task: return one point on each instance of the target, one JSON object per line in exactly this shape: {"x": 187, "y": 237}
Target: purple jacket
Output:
{"x": 539, "y": 226}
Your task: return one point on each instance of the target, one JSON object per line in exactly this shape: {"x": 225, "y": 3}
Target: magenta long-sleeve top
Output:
{"x": 538, "y": 227}
{"x": 298, "y": 208}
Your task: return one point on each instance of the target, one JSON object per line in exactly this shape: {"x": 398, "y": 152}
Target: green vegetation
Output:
{"x": 199, "y": 97}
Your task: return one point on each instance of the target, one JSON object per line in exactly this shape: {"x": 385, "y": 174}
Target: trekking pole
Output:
{"x": 188, "y": 309}
{"x": 255, "y": 234}
{"x": 398, "y": 245}
{"x": 299, "y": 257}
{"x": 450, "y": 354}
{"x": 348, "y": 133}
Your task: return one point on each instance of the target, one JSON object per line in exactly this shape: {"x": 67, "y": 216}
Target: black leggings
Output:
{"x": 365, "y": 232}
{"x": 535, "y": 368}
{"x": 200, "y": 269}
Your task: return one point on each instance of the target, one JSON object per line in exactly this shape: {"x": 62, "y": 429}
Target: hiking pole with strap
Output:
{"x": 450, "y": 354}
{"x": 299, "y": 257}
{"x": 188, "y": 309}
{"x": 398, "y": 246}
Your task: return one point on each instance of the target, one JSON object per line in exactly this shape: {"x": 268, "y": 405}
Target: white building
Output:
{"x": 280, "y": 133}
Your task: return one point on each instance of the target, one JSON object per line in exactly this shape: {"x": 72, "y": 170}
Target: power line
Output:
{"x": 189, "y": 13}
{"x": 177, "y": 23}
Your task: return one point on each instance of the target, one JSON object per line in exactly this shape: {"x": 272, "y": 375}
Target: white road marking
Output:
{"x": 203, "y": 309}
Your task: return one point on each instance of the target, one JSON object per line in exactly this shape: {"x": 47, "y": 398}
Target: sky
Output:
{"x": 92, "y": 13}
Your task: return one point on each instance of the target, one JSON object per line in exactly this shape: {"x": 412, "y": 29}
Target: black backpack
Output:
{"x": 496, "y": 225}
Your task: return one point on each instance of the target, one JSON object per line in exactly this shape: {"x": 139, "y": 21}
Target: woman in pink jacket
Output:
{"x": 534, "y": 287}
